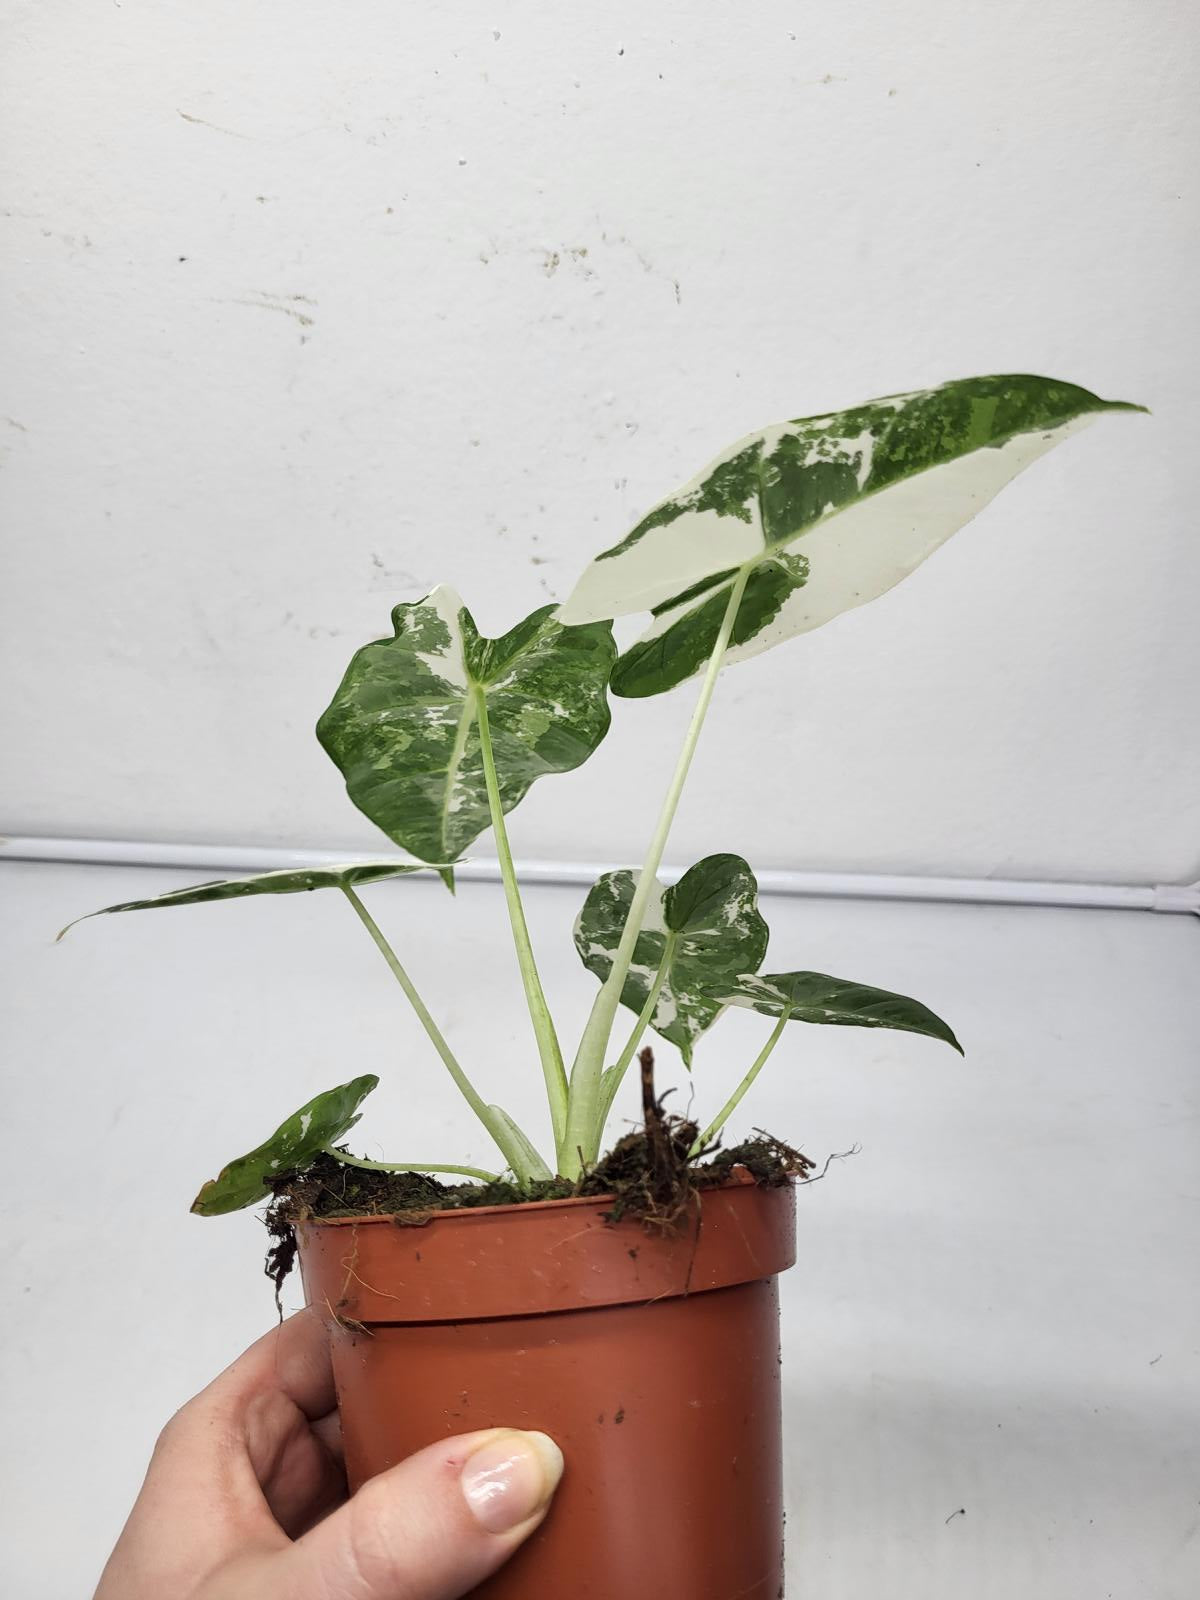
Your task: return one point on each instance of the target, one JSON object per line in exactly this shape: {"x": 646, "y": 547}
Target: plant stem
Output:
{"x": 469, "y": 1093}
{"x": 735, "y": 1099}
{"x": 553, "y": 1070}
{"x": 584, "y": 1103}
{"x": 408, "y": 1166}
{"x": 612, "y": 1078}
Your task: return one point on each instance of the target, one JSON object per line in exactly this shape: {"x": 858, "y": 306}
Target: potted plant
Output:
{"x": 623, "y": 1300}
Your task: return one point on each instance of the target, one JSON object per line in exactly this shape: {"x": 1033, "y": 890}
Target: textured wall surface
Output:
{"x": 306, "y": 310}
{"x": 995, "y": 1305}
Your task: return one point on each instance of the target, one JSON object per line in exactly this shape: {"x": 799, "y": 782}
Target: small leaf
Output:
{"x": 292, "y": 1147}
{"x": 402, "y": 726}
{"x": 864, "y": 496}
{"x": 290, "y": 880}
{"x": 712, "y": 912}
{"x": 815, "y": 997}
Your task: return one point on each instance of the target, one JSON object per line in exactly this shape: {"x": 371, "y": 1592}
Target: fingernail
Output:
{"x": 510, "y": 1478}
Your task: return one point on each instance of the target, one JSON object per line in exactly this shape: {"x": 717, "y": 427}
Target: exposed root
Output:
{"x": 837, "y": 1155}
{"x": 347, "y": 1324}
{"x": 281, "y": 1254}
{"x": 647, "y": 1172}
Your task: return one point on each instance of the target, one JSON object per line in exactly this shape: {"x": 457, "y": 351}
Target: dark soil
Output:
{"x": 647, "y": 1173}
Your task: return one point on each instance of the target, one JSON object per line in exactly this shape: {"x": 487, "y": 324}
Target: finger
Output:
{"x": 294, "y": 1358}
{"x": 237, "y": 1469}
{"x": 239, "y": 1451}
{"x": 329, "y": 1431}
{"x": 250, "y": 1408}
{"x": 429, "y": 1529}
{"x": 300, "y": 1479}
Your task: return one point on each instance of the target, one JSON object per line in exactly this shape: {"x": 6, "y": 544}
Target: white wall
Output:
{"x": 995, "y": 1305}
{"x": 299, "y": 320}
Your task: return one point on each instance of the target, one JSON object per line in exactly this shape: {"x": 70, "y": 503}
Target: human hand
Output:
{"x": 243, "y": 1499}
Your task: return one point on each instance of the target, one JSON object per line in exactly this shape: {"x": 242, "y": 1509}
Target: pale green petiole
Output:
{"x": 583, "y": 1109}
{"x": 507, "y": 1147}
{"x": 613, "y": 1077}
{"x": 409, "y": 1166}
{"x": 735, "y": 1099}
{"x": 553, "y": 1070}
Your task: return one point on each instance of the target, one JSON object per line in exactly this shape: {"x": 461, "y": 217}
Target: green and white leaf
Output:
{"x": 827, "y": 512}
{"x": 816, "y": 997}
{"x": 403, "y": 725}
{"x": 289, "y": 880}
{"x": 294, "y": 1145}
{"x": 716, "y": 932}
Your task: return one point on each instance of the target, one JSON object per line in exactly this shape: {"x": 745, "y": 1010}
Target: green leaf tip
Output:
{"x": 822, "y": 514}
{"x": 1126, "y": 405}
{"x": 294, "y": 1145}
{"x": 403, "y": 725}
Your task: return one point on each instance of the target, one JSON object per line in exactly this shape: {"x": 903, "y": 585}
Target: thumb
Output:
{"x": 432, "y": 1527}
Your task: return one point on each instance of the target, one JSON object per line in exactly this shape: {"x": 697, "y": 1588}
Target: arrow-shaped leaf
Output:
{"x": 403, "y": 725}
{"x": 293, "y": 1146}
{"x": 290, "y": 880}
{"x": 816, "y": 997}
{"x": 712, "y": 923}
{"x": 859, "y": 499}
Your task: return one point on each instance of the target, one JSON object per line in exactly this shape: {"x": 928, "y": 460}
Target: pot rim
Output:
{"x": 739, "y": 1178}
{"x": 545, "y": 1256}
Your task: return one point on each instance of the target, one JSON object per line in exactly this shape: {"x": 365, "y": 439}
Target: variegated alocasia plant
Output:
{"x": 440, "y": 732}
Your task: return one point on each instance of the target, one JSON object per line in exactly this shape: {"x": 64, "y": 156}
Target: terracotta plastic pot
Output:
{"x": 653, "y": 1360}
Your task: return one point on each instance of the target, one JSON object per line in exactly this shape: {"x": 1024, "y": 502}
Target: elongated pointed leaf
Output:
{"x": 859, "y": 498}
{"x": 712, "y": 912}
{"x": 816, "y": 997}
{"x": 292, "y": 1147}
{"x": 403, "y": 725}
{"x": 291, "y": 880}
